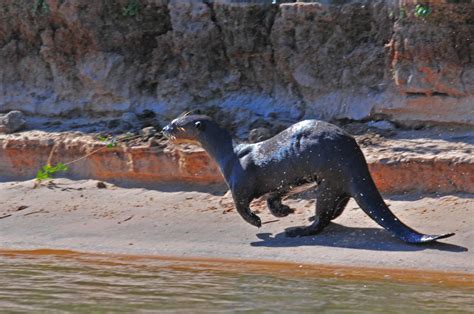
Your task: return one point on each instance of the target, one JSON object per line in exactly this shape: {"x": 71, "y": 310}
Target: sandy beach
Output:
{"x": 200, "y": 221}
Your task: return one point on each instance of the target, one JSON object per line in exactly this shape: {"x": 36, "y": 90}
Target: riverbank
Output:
{"x": 187, "y": 221}
{"x": 441, "y": 157}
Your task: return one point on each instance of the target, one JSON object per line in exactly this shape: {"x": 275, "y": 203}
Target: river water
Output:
{"x": 100, "y": 284}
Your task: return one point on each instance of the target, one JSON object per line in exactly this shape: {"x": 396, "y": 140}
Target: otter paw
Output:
{"x": 254, "y": 220}
{"x": 282, "y": 211}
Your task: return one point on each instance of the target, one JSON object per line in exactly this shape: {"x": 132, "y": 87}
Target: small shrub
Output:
{"x": 422, "y": 10}
{"x": 47, "y": 171}
{"x": 40, "y": 7}
{"x": 131, "y": 9}
{"x": 403, "y": 13}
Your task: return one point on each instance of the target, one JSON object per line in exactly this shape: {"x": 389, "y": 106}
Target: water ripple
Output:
{"x": 50, "y": 284}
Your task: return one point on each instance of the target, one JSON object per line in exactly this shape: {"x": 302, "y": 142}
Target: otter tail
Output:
{"x": 367, "y": 196}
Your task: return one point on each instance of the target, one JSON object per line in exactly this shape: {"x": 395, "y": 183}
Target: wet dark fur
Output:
{"x": 308, "y": 151}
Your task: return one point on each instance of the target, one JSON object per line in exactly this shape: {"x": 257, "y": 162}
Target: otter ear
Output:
{"x": 199, "y": 125}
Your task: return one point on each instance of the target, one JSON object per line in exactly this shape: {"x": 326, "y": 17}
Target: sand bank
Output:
{"x": 186, "y": 221}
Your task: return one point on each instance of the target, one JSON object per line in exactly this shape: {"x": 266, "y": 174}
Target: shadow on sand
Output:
{"x": 336, "y": 235}
{"x": 216, "y": 189}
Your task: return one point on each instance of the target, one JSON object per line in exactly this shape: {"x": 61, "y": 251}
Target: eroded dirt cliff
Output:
{"x": 407, "y": 162}
{"x": 354, "y": 60}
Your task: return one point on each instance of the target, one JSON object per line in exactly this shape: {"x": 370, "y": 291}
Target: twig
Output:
{"x": 85, "y": 156}
{"x": 125, "y": 219}
{"x": 35, "y": 212}
{"x": 51, "y": 153}
{"x": 102, "y": 148}
{"x": 46, "y": 171}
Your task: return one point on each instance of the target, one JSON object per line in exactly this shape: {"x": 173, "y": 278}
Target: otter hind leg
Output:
{"x": 341, "y": 204}
{"x": 276, "y": 207}
{"x": 328, "y": 204}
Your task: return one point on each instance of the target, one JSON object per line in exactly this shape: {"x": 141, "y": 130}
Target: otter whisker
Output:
{"x": 186, "y": 113}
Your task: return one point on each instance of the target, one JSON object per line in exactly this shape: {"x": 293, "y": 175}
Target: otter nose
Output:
{"x": 167, "y": 129}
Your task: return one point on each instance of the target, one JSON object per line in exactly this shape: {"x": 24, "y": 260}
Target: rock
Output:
{"x": 148, "y": 132}
{"x": 101, "y": 185}
{"x": 355, "y": 128}
{"x": 382, "y": 125}
{"x": 126, "y": 123}
{"x": 114, "y": 123}
{"x": 382, "y": 128}
{"x": 259, "y": 134}
{"x": 260, "y": 123}
{"x": 146, "y": 114}
{"x": 12, "y": 122}
{"x": 130, "y": 118}
{"x": 148, "y": 118}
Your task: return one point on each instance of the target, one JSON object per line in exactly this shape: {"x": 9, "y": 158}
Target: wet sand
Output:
{"x": 185, "y": 221}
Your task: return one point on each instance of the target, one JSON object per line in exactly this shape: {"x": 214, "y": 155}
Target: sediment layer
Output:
{"x": 398, "y": 165}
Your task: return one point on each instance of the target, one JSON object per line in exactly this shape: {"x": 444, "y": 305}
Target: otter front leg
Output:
{"x": 243, "y": 208}
{"x": 276, "y": 207}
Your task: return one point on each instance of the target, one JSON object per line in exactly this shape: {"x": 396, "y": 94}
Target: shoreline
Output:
{"x": 79, "y": 216}
{"x": 266, "y": 267}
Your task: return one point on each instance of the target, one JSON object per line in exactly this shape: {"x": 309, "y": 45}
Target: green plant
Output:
{"x": 111, "y": 142}
{"x": 40, "y": 7}
{"x": 422, "y": 11}
{"x": 403, "y": 13}
{"x": 131, "y": 9}
{"x": 47, "y": 171}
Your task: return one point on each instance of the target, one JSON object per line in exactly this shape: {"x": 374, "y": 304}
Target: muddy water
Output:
{"x": 83, "y": 283}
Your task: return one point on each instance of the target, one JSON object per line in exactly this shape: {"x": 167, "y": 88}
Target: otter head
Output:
{"x": 189, "y": 127}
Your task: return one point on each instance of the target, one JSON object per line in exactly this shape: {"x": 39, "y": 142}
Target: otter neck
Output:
{"x": 220, "y": 147}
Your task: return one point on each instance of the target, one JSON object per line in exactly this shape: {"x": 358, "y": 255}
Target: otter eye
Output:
{"x": 199, "y": 125}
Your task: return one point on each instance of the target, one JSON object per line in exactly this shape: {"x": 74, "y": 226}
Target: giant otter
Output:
{"x": 308, "y": 151}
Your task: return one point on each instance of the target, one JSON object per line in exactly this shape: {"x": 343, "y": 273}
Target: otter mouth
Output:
{"x": 178, "y": 140}
{"x": 167, "y": 132}
{"x": 168, "y": 135}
